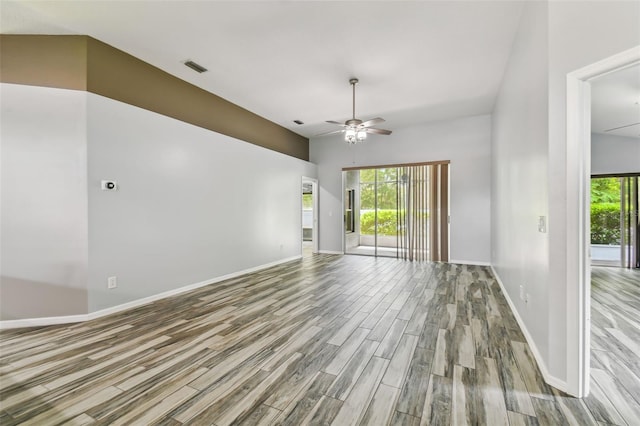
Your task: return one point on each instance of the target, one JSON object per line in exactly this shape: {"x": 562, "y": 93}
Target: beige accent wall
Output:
{"x": 49, "y": 61}
{"x": 83, "y": 63}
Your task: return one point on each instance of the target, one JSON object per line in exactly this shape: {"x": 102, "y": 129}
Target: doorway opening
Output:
{"x": 309, "y": 216}
{"x": 578, "y": 242}
{"x": 397, "y": 211}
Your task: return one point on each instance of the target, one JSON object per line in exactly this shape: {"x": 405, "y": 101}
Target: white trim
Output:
{"x": 343, "y": 236}
{"x": 39, "y": 322}
{"x": 551, "y": 380}
{"x": 470, "y": 262}
{"x": 314, "y": 220}
{"x": 578, "y": 276}
{"x": 330, "y": 252}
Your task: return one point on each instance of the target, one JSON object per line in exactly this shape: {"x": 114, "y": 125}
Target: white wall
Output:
{"x": 614, "y": 154}
{"x": 44, "y": 202}
{"x": 554, "y": 39}
{"x": 192, "y": 204}
{"x": 465, "y": 141}
{"x": 519, "y": 175}
{"x": 580, "y": 34}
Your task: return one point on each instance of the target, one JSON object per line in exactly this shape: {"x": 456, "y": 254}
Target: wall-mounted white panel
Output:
{"x": 44, "y": 202}
{"x": 465, "y": 142}
{"x": 191, "y": 204}
{"x": 614, "y": 154}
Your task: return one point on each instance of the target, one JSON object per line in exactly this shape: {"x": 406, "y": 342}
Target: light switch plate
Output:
{"x": 542, "y": 224}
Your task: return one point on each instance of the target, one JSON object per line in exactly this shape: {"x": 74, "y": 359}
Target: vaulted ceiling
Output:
{"x": 285, "y": 60}
{"x": 417, "y": 61}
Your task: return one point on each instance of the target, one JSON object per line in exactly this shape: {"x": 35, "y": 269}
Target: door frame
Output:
{"x": 578, "y": 276}
{"x": 314, "y": 194}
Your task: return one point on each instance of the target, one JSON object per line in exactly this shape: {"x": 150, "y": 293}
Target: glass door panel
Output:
{"x": 605, "y": 221}
{"x": 386, "y": 229}
{"x": 615, "y": 226}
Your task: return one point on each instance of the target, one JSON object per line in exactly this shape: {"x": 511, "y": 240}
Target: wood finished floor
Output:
{"x": 326, "y": 340}
{"x": 615, "y": 345}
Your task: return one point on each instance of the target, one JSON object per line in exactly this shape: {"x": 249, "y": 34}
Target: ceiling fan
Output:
{"x": 355, "y": 130}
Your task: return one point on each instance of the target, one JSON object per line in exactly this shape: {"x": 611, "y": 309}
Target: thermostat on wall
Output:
{"x": 109, "y": 185}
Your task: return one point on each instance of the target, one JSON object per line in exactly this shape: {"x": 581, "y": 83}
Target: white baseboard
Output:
{"x": 470, "y": 262}
{"x": 330, "y": 252}
{"x": 69, "y": 319}
{"x": 551, "y": 380}
{"x": 40, "y": 322}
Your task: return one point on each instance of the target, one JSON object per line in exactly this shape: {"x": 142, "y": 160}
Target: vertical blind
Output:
{"x": 423, "y": 212}
{"x": 630, "y": 222}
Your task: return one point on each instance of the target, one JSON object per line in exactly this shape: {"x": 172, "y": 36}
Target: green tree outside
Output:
{"x": 307, "y": 201}
{"x": 605, "y": 190}
{"x": 387, "y": 181}
{"x": 605, "y": 211}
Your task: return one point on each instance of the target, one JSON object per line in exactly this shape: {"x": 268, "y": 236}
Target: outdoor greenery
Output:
{"x": 605, "y": 190}
{"x": 605, "y": 211}
{"x": 387, "y": 188}
{"x": 307, "y": 201}
{"x": 387, "y": 194}
{"x": 605, "y": 223}
{"x": 387, "y": 222}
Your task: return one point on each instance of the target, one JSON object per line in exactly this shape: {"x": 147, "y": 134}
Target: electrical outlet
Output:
{"x": 112, "y": 282}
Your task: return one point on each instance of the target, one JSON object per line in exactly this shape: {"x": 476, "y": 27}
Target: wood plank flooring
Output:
{"x": 340, "y": 340}
{"x": 615, "y": 346}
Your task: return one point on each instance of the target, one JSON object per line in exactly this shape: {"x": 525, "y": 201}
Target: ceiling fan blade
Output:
{"x": 330, "y": 133}
{"x": 378, "y": 131}
{"x": 372, "y": 122}
{"x": 336, "y": 122}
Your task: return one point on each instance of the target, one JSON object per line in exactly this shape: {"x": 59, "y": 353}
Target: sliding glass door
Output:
{"x": 615, "y": 225}
{"x": 630, "y": 222}
{"x": 397, "y": 211}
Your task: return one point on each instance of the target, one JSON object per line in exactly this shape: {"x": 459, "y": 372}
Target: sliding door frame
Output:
{"x": 441, "y": 190}
{"x": 628, "y": 256}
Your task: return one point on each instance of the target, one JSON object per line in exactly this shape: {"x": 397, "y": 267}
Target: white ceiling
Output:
{"x": 286, "y": 60}
{"x": 417, "y": 61}
{"x": 615, "y": 106}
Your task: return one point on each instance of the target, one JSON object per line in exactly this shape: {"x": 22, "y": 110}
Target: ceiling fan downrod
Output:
{"x": 354, "y": 121}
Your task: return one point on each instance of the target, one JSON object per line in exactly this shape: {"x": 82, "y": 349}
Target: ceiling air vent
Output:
{"x": 196, "y": 67}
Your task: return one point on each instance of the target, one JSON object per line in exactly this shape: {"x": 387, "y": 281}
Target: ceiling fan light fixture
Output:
{"x": 354, "y": 129}
{"x": 350, "y": 136}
